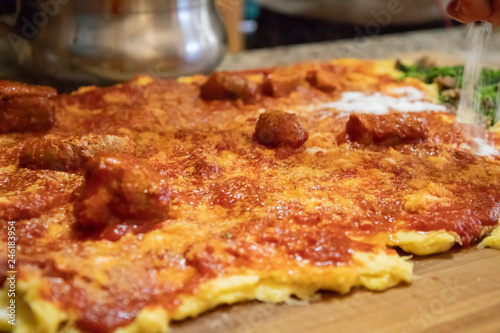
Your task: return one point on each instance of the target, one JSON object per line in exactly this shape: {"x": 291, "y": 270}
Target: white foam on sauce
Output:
{"x": 483, "y": 148}
{"x": 478, "y": 146}
{"x": 409, "y": 99}
{"x": 314, "y": 150}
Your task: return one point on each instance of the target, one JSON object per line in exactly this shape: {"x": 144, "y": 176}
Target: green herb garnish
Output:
{"x": 428, "y": 73}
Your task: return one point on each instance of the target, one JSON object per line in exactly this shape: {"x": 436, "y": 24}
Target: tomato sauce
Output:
{"x": 235, "y": 205}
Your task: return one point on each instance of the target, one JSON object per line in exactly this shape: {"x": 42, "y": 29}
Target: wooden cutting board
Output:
{"x": 452, "y": 292}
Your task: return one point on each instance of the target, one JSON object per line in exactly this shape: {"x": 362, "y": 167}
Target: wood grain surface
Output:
{"x": 457, "y": 291}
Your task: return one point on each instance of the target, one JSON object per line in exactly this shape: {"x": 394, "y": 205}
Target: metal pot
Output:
{"x": 105, "y": 41}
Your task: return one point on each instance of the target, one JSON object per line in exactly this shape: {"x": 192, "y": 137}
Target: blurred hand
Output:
{"x": 468, "y": 11}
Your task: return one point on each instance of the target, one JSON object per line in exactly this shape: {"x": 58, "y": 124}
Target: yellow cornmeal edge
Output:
{"x": 492, "y": 241}
{"x": 374, "y": 271}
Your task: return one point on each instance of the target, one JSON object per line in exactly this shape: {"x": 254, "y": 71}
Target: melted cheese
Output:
{"x": 245, "y": 221}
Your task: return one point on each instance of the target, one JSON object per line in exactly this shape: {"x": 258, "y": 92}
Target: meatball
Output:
{"x": 281, "y": 82}
{"x": 276, "y": 128}
{"x": 26, "y": 107}
{"x": 121, "y": 189}
{"x": 389, "y": 129}
{"x": 324, "y": 80}
{"x": 230, "y": 86}
{"x": 71, "y": 154}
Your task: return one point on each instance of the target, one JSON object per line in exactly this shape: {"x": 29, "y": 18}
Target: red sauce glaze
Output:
{"x": 110, "y": 233}
{"x": 321, "y": 245}
{"x": 231, "y": 204}
{"x": 466, "y": 218}
{"x": 239, "y": 190}
{"x": 9, "y": 154}
{"x": 121, "y": 188}
{"x": 95, "y": 98}
{"x": 116, "y": 307}
{"x": 25, "y": 202}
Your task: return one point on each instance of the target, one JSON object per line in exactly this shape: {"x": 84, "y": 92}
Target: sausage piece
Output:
{"x": 121, "y": 189}
{"x": 26, "y": 107}
{"x": 388, "y": 129}
{"x": 324, "y": 80}
{"x": 276, "y": 128}
{"x": 71, "y": 155}
{"x": 230, "y": 86}
{"x": 282, "y": 81}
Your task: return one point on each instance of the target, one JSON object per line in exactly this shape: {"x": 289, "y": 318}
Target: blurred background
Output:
{"x": 107, "y": 41}
{"x": 270, "y": 23}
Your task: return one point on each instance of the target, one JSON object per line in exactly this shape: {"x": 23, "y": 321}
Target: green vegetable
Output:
{"x": 488, "y": 95}
{"x": 428, "y": 74}
{"x": 490, "y": 80}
